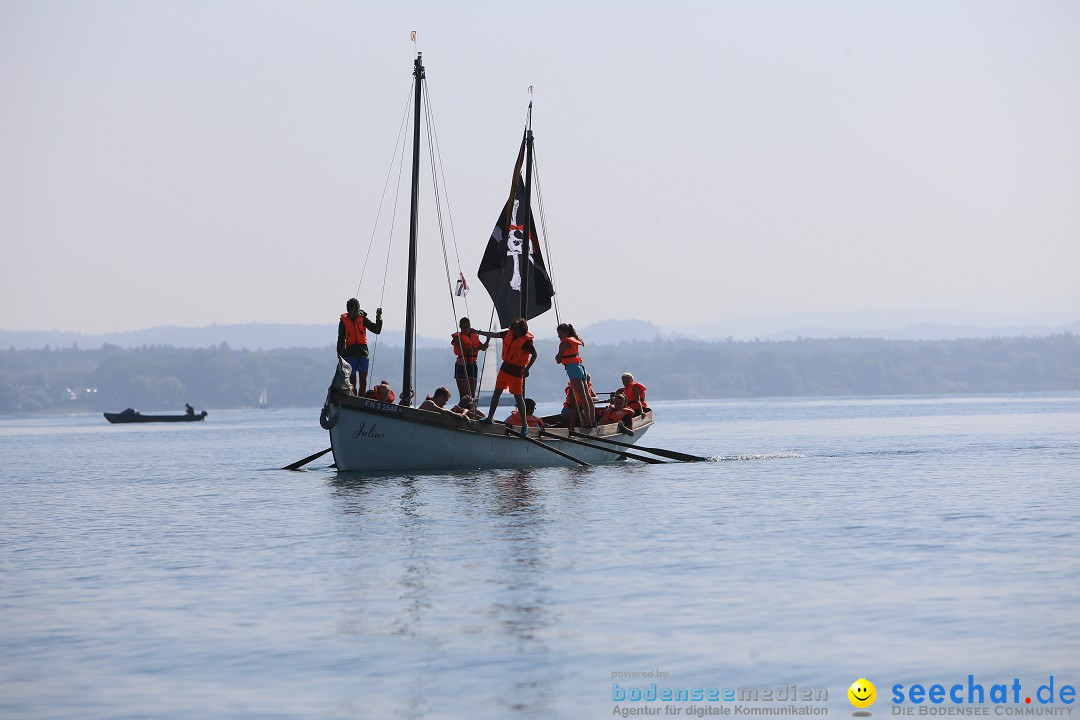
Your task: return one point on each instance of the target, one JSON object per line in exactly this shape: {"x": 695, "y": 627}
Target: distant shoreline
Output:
{"x": 1022, "y": 394}
{"x": 162, "y": 377}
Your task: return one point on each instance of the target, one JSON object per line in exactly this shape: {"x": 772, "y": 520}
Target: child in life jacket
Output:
{"x": 569, "y": 356}
{"x": 532, "y": 420}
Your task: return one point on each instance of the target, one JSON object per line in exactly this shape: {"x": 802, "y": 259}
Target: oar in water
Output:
{"x": 673, "y": 454}
{"x": 301, "y": 463}
{"x": 632, "y": 456}
{"x": 534, "y": 441}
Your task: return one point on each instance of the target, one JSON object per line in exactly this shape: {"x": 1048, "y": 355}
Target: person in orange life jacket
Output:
{"x": 530, "y": 419}
{"x": 635, "y": 394}
{"x": 467, "y": 346}
{"x": 381, "y": 392}
{"x": 570, "y": 358}
{"x": 617, "y": 412}
{"x": 518, "y": 354}
{"x": 467, "y": 407}
{"x": 436, "y": 402}
{"x": 571, "y": 414}
{"x": 352, "y": 340}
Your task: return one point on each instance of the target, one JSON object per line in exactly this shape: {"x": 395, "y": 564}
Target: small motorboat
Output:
{"x": 134, "y": 416}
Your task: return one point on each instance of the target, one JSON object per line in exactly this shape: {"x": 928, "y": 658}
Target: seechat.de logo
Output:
{"x": 862, "y": 694}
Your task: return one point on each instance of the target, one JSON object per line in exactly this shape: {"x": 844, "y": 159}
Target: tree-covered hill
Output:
{"x": 163, "y": 377}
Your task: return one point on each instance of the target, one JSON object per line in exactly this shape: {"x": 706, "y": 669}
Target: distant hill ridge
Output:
{"x": 275, "y": 336}
{"x": 249, "y": 336}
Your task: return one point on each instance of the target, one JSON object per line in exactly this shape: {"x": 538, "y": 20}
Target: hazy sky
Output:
{"x": 222, "y": 161}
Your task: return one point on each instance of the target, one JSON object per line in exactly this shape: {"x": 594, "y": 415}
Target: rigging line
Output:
{"x": 438, "y": 208}
{"x": 449, "y": 213}
{"x": 480, "y": 380}
{"x": 433, "y": 137}
{"x": 543, "y": 226}
{"x": 382, "y": 199}
{"x": 393, "y": 222}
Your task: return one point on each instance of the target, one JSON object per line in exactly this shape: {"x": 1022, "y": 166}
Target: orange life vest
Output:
{"x": 469, "y": 343}
{"x": 566, "y": 403}
{"x": 515, "y": 358}
{"x": 568, "y": 351}
{"x": 373, "y": 394}
{"x": 611, "y": 415}
{"x": 515, "y": 419}
{"x": 355, "y": 332}
{"x": 635, "y": 397}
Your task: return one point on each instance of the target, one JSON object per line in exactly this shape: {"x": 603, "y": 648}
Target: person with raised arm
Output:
{"x": 352, "y": 340}
{"x": 467, "y": 346}
{"x": 518, "y": 354}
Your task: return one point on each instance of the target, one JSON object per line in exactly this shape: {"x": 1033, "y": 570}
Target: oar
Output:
{"x": 630, "y": 455}
{"x": 673, "y": 454}
{"x": 301, "y": 463}
{"x": 534, "y": 441}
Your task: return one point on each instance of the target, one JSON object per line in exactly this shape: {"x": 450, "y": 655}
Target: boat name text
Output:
{"x": 363, "y": 431}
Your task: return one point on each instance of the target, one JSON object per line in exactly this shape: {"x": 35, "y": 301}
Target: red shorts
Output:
{"x": 506, "y": 381}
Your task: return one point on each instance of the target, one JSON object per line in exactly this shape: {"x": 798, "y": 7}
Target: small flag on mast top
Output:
{"x": 412, "y": 35}
{"x": 462, "y": 286}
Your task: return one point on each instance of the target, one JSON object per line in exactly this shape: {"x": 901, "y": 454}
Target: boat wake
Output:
{"x": 758, "y": 456}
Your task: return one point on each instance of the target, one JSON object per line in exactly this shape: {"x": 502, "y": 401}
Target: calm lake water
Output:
{"x": 173, "y": 572}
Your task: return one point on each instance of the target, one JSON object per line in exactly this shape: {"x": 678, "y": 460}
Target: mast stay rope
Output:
{"x": 399, "y": 159}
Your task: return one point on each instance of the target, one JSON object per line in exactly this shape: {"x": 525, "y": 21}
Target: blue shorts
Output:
{"x": 359, "y": 364}
{"x": 575, "y": 371}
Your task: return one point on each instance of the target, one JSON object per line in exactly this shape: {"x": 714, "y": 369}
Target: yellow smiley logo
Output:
{"x": 862, "y": 693}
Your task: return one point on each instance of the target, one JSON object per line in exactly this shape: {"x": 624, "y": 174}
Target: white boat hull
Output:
{"x": 373, "y": 436}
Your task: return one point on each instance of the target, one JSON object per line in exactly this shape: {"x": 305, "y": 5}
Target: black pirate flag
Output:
{"x": 503, "y": 267}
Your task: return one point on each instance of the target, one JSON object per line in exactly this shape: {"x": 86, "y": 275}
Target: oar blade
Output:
{"x": 620, "y": 452}
{"x": 301, "y": 463}
{"x": 674, "y": 455}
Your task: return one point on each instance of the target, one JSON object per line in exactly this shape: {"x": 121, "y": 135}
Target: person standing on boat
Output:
{"x": 352, "y": 340}
{"x": 518, "y": 354}
{"x": 467, "y": 346}
{"x": 569, "y": 356}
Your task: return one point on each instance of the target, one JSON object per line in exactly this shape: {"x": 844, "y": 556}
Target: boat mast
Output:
{"x": 526, "y": 265}
{"x": 410, "y": 298}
